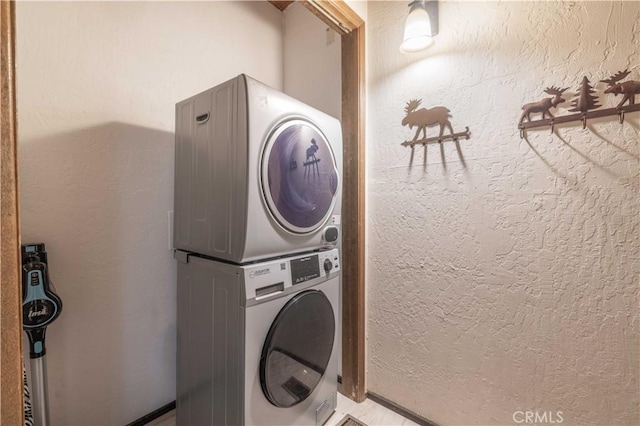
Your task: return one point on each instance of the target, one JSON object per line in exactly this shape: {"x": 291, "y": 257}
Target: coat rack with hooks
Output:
{"x": 620, "y": 112}
{"x": 584, "y": 105}
{"x": 427, "y": 117}
{"x": 454, "y": 136}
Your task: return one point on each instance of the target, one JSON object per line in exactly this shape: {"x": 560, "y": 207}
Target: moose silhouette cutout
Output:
{"x": 628, "y": 89}
{"x": 311, "y": 160}
{"x": 423, "y": 118}
{"x": 544, "y": 105}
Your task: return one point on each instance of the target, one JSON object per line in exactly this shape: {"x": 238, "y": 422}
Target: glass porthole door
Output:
{"x": 299, "y": 176}
{"x": 297, "y": 349}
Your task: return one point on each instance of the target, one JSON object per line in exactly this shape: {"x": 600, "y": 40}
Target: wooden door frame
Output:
{"x": 336, "y": 14}
{"x": 352, "y": 29}
{"x": 11, "y": 393}
{"x": 339, "y": 16}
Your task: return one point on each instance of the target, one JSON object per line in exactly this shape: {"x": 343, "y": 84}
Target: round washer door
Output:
{"x": 296, "y": 352}
{"x": 299, "y": 176}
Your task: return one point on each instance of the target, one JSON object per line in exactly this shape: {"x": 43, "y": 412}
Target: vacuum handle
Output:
{"x": 39, "y": 394}
{"x": 36, "y": 342}
{"x": 40, "y": 305}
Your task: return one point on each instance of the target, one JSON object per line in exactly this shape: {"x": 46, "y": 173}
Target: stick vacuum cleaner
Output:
{"x": 40, "y": 307}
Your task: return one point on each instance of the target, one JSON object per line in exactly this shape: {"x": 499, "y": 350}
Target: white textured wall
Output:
{"x": 97, "y": 84}
{"x": 312, "y": 71}
{"x": 504, "y": 278}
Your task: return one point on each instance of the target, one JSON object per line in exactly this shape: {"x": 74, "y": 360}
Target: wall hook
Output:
{"x": 585, "y": 105}
{"x": 427, "y": 117}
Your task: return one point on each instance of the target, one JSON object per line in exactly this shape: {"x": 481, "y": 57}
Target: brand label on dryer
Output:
{"x": 259, "y": 272}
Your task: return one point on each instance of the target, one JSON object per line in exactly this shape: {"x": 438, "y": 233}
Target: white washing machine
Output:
{"x": 257, "y": 174}
{"x": 257, "y": 343}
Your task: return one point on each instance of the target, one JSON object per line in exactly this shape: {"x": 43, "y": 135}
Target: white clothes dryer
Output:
{"x": 257, "y": 174}
{"x": 257, "y": 343}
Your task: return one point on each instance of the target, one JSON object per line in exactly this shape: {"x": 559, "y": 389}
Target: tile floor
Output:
{"x": 368, "y": 412}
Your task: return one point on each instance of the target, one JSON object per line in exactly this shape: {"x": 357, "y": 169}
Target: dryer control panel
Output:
{"x": 278, "y": 277}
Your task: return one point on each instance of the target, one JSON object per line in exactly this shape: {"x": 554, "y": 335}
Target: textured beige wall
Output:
{"x": 504, "y": 278}
{"x": 97, "y": 87}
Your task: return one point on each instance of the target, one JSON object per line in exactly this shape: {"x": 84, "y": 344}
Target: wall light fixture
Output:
{"x": 421, "y": 26}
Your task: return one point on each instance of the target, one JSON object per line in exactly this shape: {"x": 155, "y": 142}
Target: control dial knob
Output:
{"x": 328, "y": 265}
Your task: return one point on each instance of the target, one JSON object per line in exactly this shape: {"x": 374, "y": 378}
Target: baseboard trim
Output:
{"x": 414, "y": 417}
{"x": 148, "y": 418}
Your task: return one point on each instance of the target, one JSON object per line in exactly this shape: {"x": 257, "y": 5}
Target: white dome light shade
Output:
{"x": 417, "y": 30}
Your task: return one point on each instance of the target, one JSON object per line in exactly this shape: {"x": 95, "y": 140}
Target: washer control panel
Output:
{"x": 329, "y": 261}
{"x": 269, "y": 279}
{"x": 304, "y": 269}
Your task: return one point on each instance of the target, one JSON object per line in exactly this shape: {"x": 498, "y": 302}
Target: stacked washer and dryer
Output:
{"x": 256, "y": 230}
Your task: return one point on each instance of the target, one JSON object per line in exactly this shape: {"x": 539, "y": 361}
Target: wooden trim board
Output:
{"x": 336, "y": 14}
{"x": 11, "y": 394}
{"x": 339, "y": 16}
{"x": 353, "y": 215}
{"x": 280, "y": 5}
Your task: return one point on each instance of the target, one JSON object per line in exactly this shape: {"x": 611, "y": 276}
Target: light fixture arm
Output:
{"x": 431, "y": 6}
{"x": 432, "y": 10}
{"x": 421, "y": 26}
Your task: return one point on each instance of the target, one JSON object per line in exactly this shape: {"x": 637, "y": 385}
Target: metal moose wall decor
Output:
{"x": 629, "y": 89}
{"x": 544, "y": 105}
{"x": 429, "y": 117}
{"x": 585, "y": 104}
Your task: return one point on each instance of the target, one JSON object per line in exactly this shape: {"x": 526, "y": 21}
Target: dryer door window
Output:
{"x": 296, "y": 352}
{"x": 299, "y": 176}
